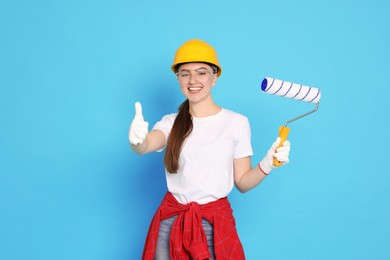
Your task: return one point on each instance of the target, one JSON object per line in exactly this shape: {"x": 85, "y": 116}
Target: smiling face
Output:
{"x": 196, "y": 81}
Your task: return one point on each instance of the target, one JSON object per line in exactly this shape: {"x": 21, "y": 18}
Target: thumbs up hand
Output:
{"x": 138, "y": 128}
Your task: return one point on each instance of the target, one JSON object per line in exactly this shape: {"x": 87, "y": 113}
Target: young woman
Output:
{"x": 207, "y": 152}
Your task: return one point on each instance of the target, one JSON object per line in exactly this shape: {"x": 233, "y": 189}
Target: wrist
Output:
{"x": 139, "y": 148}
{"x": 264, "y": 168}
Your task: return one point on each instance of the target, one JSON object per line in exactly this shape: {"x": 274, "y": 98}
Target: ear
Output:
{"x": 214, "y": 80}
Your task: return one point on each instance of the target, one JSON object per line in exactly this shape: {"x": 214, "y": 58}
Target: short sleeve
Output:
{"x": 243, "y": 145}
{"x": 165, "y": 126}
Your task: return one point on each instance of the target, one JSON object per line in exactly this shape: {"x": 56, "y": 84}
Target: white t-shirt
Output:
{"x": 205, "y": 171}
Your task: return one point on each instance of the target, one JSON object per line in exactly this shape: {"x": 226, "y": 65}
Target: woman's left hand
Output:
{"x": 281, "y": 154}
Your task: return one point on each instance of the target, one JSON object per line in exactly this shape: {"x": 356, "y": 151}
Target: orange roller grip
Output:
{"x": 283, "y": 133}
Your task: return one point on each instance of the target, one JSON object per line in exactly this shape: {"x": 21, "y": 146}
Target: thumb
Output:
{"x": 138, "y": 111}
{"x": 276, "y": 143}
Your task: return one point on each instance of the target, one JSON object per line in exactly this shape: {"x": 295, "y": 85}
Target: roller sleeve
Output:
{"x": 291, "y": 90}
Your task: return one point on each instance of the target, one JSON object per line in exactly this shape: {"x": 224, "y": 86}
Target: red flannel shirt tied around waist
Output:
{"x": 187, "y": 237}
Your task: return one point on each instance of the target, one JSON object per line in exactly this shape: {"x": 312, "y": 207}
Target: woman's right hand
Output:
{"x": 138, "y": 128}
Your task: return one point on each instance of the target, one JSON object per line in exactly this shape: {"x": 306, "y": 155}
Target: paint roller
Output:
{"x": 290, "y": 90}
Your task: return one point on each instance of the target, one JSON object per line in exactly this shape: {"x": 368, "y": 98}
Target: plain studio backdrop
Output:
{"x": 70, "y": 72}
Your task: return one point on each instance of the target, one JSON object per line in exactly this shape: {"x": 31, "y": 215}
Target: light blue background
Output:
{"x": 70, "y": 187}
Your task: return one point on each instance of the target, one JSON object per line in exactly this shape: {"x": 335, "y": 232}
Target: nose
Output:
{"x": 192, "y": 78}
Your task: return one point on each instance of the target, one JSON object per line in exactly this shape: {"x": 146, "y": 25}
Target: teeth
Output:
{"x": 194, "y": 89}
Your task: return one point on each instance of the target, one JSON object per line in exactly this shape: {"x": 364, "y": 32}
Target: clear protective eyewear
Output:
{"x": 200, "y": 75}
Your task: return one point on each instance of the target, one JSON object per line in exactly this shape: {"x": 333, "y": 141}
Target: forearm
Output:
{"x": 140, "y": 148}
{"x": 250, "y": 179}
{"x": 246, "y": 177}
{"x": 154, "y": 140}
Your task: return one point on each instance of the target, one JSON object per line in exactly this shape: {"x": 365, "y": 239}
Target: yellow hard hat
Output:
{"x": 196, "y": 51}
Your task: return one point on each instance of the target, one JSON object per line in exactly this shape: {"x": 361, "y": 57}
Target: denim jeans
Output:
{"x": 162, "y": 248}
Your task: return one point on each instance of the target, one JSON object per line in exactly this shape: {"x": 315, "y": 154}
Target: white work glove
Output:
{"x": 281, "y": 154}
{"x": 138, "y": 128}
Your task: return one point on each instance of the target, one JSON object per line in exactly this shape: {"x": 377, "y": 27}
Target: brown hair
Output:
{"x": 181, "y": 129}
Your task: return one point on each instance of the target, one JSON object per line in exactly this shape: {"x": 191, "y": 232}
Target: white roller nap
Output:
{"x": 291, "y": 90}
